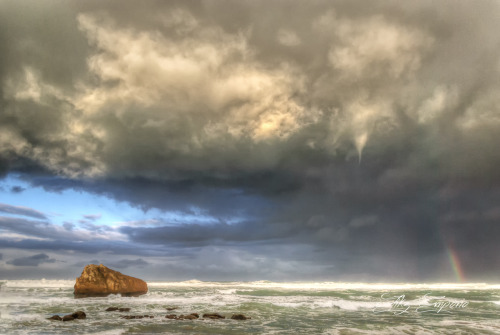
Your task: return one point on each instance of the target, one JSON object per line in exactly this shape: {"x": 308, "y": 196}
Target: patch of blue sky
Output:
{"x": 72, "y": 206}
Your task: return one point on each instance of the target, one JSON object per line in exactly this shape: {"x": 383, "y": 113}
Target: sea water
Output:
{"x": 274, "y": 308}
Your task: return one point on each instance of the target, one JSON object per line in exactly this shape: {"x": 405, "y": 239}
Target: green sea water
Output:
{"x": 274, "y": 308}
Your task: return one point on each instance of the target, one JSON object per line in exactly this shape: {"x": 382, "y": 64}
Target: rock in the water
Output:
{"x": 240, "y": 317}
{"x": 192, "y": 316}
{"x": 128, "y": 317}
{"x": 213, "y": 316}
{"x": 69, "y": 317}
{"x": 111, "y": 309}
{"x": 55, "y": 318}
{"x": 100, "y": 281}
{"x": 79, "y": 315}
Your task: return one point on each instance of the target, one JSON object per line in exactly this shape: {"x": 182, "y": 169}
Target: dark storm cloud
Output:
{"x": 83, "y": 249}
{"x": 34, "y": 260}
{"x": 24, "y": 211}
{"x": 119, "y": 264}
{"x": 365, "y": 130}
{"x": 190, "y": 235}
{"x": 327, "y": 120}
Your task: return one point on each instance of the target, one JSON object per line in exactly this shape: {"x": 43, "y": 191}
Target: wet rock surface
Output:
{"x": 111, "y": 309}
{"x": 69, "y": 317}
{"x": 129, "y": 317}
{"x": 192, "y": 316}
{"x": 213, "y": 316}
{"x": 240, "y": 317}
{"x": 79, "y": 315}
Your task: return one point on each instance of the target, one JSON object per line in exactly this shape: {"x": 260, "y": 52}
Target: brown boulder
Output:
{"x": 146, "y": 316}
{"x": 100, "y": 281}
{"x": 213, "y": 316}
{"x": 240, "y": 317}
{"x": 79, "y": 315}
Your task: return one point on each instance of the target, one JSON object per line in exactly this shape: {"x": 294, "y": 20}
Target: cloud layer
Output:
{"x": 363, "y": 135}
{"x": 24, "y": 211}
{"x": 34, "y": 260}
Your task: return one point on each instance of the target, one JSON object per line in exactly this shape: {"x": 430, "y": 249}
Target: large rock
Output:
{"x": 69, "y": 317}
{"x": 99, "y": 281}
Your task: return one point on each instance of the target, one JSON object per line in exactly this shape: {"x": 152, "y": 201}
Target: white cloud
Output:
{"x": 377, "y": 47}
{"x": 207, "y": 72}
{"x": 442, "y": 99}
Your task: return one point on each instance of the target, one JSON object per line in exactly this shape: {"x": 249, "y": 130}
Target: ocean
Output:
{"x": 275, "y": 308}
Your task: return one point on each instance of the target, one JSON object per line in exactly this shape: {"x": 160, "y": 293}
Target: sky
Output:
{"x": 251, "y": 140}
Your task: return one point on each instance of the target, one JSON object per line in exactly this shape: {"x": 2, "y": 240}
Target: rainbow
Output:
{"x": 455, "y": 263}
